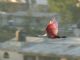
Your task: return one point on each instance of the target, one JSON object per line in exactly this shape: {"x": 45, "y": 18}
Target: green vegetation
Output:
{"x": 67, "y": 9}
{"x": 8, "y": 7}
{"x": 6, "y": 34}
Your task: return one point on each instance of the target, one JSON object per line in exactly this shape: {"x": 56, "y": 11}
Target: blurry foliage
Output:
{"x": 6, "y": 33}
{"x": 40, "y": 7}
{"x": 8, "y": 7}
{"x": 35, "y": 26}
{"x": 66, "y": 8}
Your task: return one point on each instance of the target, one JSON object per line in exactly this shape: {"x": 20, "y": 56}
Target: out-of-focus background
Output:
{"x": 34, "y": 15}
